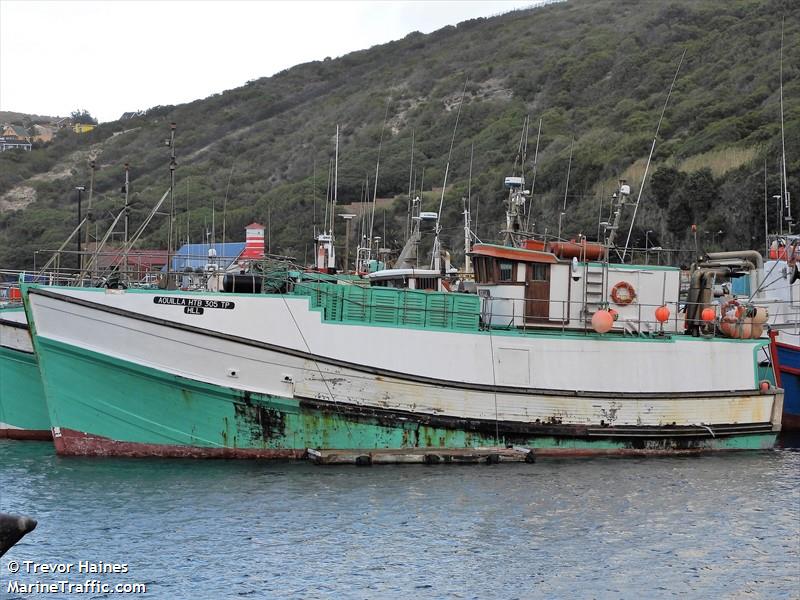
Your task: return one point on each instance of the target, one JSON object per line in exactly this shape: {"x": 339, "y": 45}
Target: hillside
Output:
{"x": 23, "y": 118}
{"x": 594, "y": 70}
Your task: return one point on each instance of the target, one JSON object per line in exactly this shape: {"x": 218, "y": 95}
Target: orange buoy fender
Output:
{"x": 662, "y": 314}
{"x": 602, "y": 321}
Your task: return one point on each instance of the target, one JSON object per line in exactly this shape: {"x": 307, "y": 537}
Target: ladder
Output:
{"x": 593, "y": 290}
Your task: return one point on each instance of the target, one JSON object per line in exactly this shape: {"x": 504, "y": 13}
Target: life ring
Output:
{"x": 725, "y": 313}
{"x": 623, "y": 293}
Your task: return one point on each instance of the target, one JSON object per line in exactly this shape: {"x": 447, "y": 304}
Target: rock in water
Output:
{"x": 12, "y": 529}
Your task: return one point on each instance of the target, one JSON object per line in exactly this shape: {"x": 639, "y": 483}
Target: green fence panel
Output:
{"x": 383, "y": 306}
{"x": 466, "y": 312}
{"x": 354, "y": 304}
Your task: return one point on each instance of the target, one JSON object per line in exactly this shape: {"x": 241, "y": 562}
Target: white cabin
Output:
{"x": 525, "y": 288}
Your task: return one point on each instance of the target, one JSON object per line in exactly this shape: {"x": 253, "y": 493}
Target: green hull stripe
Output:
{"x": 122, "y": 401}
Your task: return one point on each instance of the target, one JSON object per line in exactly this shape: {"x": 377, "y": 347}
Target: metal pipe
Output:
{"x": 745, "y": 255}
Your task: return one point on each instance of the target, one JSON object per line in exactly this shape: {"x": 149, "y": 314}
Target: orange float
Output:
{"x": 662, "y": 314}
{"x": 602, "y": 321}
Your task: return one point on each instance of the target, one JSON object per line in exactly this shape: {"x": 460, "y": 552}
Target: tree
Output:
{"x": 83, "y": 116}
{"x": 665, "y": 182}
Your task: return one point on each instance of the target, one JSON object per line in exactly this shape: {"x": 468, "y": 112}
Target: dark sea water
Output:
{"x": 719, "y": 526}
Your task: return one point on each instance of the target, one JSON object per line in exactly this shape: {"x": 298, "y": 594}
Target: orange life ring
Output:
{"x": 726, "y": 308}
{"x": 623, "y": 293}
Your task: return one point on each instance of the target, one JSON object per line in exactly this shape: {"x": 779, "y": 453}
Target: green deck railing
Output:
{"x": 355, "y": 304}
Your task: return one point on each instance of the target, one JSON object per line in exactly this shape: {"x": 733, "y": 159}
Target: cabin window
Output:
{"x": 539, "y": 272}
{"x": 505, "y": 270}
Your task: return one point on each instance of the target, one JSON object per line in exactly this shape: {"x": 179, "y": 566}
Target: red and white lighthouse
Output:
{"x": 254, "y": 241}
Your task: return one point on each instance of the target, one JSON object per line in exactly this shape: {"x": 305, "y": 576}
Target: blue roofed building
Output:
{"x": 196, "y": 256}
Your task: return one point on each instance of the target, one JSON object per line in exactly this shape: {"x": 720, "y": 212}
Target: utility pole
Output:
{"x": 348, "y": 217}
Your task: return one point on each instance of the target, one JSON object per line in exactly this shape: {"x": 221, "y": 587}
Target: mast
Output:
{"x": 517, "y": 195}
{"x": 650, "y": 158}
{"x": 467, "y": 215}
{"x": 786, "y": 199}
{"x": 436, "y": 258}
{"x": 332, "y": 256}
{"x": 467, "y": 239}
{"x": 618, "y": 200}
{"x": 410, "y": 192}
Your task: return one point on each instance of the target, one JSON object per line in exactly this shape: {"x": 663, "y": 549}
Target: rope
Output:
{"x": 316, "y": 364}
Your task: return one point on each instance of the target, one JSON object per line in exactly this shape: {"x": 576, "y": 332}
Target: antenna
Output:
{"x": 328, "y": 194}
{"x": 225, "y": 205}
{"x": 469, "y": 179}
{"x": 335, "y": 182}
{"x": 766, "y": 225}
{"x": 569, "y": 168}
{"x": 187, "y": 212}
{"x": 649, "y": 158}
{"x": 436, "y": 242}
{"x": 533, "y": 183}
{"x": 377, "y": 168}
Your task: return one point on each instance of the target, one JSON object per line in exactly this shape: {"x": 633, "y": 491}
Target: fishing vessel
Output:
{"x": 782, "y": 289}
{"x": 335, "y": 367}
{"x": 23, "y": 411}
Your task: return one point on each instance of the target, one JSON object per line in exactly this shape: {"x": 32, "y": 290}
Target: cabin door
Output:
{"x": 537, "y": 293}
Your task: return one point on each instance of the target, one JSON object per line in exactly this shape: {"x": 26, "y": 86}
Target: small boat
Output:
{"x": 23, "y": 410}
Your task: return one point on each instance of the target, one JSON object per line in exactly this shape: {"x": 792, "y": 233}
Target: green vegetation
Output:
{"x": 593, "y": 70}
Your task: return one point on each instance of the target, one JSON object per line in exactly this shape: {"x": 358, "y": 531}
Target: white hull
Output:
{"x": 276, "y": 345}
